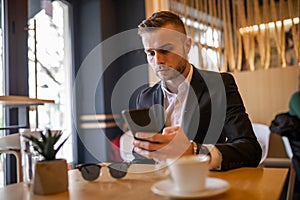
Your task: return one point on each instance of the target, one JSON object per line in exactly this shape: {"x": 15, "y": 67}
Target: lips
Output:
{"x": 162, "y": 69}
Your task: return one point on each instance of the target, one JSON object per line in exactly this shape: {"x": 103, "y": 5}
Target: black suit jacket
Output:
{"x": 214, "y": 114}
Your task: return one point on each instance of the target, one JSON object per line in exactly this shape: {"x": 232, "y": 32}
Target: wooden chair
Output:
{"x": 10, "y": 144}
{"x": 262, "y": 133}
{"x": 280, "y": 155}
{"x": 126, "y": 146}
{"x": 276, "y": 152}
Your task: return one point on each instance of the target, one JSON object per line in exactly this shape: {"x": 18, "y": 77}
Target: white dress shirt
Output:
{"x": 174, "y": 105}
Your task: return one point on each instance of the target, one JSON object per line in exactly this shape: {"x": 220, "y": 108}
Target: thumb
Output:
{"x": 170, "y": 130}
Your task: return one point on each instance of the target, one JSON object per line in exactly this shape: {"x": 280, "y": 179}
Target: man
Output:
{"x": 294, "y": 104}
{"x": 203, "y": 110}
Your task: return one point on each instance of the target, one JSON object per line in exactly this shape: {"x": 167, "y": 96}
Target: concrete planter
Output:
{"x": 50, "y": 177}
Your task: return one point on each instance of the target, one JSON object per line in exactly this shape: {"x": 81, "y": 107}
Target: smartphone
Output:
{"x": 144, "y": 120}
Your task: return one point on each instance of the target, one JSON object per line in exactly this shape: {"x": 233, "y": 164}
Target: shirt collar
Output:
{"x": 182, "y": 87}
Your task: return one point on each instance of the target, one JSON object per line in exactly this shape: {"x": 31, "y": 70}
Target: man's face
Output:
{"x": 167, "y": 52}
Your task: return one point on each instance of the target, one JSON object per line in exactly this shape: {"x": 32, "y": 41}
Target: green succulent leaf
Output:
{"x": 61, "y": 145}
{"x": 45, "y": 144}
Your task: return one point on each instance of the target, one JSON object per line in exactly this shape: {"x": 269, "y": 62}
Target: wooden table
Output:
{"x": 21, "y": 102}
{"x": 245, "y": 183}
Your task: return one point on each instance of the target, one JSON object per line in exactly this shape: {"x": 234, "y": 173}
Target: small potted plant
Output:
{"x": 51, "y": 174}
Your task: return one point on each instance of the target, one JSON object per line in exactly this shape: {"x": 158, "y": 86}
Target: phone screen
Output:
{"x": 144, "y": 120}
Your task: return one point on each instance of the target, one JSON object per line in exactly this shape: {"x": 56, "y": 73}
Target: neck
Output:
{"x": 173, "y": 84}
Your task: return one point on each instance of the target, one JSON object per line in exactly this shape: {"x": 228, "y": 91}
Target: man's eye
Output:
{"x": 150, "y": 53}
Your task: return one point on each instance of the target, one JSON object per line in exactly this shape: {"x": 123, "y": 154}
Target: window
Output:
{"x": 50, "y": 70}
{"x": 2, "y": 86}
{"x": 208, "y": 40}
{"x": 2, "y": 72}
{"x": 207, "y": 50}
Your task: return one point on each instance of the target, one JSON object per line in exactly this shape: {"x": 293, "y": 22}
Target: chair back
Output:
{"x": 126, "y": 146}
{"x": 10, "y": 144}
{"x": 287, "y": 146}
{"x": 262, "y": 133}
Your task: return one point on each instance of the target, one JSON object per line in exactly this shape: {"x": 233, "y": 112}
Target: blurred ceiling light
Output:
{"x": 254, "y": 28}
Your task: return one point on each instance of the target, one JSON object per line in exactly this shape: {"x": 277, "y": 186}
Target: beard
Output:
{"x": 166, "y": 73}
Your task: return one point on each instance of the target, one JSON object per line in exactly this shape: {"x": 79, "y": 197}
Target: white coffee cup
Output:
{"x": 189, "y": 173}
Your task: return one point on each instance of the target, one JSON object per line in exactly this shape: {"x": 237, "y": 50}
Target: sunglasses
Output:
{"x": 91, "y": 172}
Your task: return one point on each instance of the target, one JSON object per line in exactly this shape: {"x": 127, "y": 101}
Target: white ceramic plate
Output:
{"x": 214, "y": 186}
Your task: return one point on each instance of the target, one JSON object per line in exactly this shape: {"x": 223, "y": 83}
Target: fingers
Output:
{"x": 154, "y": 137}
{"x": 156, "y": 155}
{"x": 171, "y": 130}
{"x": 171, "y": 143}
{"x": 146, "y": 145}
{"x": 146, "y": 136}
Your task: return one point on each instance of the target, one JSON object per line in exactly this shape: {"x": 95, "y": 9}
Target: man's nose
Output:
{"x": 159, "y": 58}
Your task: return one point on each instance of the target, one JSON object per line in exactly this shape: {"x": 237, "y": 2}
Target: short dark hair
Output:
{"x": 161, "y": 19}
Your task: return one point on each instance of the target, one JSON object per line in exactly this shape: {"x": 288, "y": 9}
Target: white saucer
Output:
{"x": 214, "y": 186}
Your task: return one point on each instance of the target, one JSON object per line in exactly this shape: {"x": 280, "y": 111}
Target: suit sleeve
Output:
{"x": 149, "y": 96}
{"x": 240, "y": 148}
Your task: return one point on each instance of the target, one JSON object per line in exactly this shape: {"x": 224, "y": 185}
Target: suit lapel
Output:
{"x": 158, "y": 102}
{"x": 196, "y": 90}
{"x": 196, "y": 106}
{"x": 158, "y": 97}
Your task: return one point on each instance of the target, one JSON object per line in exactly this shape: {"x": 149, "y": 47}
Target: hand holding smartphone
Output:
{"x": 144, "y": 120}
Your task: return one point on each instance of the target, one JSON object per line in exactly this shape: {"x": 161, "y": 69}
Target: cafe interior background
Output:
{"x": 43, "y": 44}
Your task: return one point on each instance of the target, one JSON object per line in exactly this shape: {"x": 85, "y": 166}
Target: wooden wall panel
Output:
{"x": 266, "y": 92}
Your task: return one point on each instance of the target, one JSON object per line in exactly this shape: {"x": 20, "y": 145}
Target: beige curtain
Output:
{"x": 242, "y": 48}
{"x": 294, "y": 11}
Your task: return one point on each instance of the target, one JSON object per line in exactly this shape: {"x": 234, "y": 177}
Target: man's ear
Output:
{"x": 188, "y": 45}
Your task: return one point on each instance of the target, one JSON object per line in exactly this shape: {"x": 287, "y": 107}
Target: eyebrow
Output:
{"x": 159, "y": 48}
